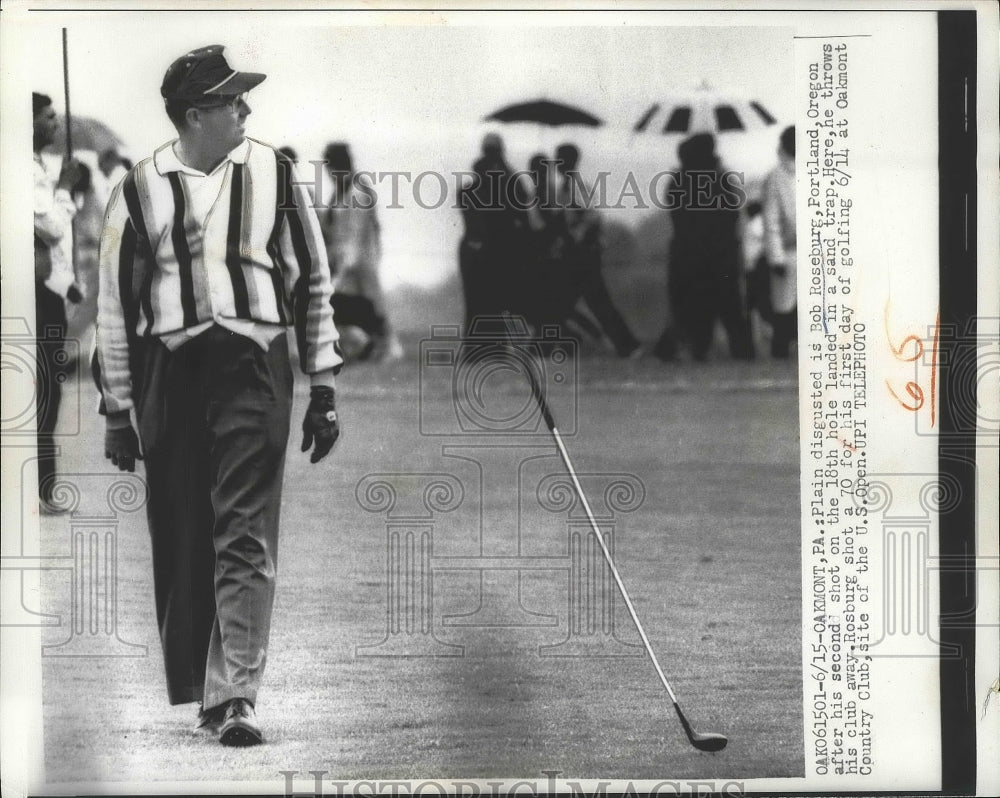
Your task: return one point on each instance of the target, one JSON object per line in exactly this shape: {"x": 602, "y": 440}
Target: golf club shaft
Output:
{"x": 550, "y": 422}
{"x": 607, "y": 555}
{"x": 703, "y": 742}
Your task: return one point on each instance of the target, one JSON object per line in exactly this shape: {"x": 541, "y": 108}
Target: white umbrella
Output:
{"x": 704, "y": 110}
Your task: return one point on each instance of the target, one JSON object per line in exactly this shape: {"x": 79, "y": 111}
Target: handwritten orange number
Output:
{"x": 898, "y": 352}
{"x": 913, "y": 390}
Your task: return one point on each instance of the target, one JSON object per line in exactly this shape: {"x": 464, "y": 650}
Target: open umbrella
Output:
{"x": 545, "y": 112}
{"x": 704, "y": 111}
{"x": 88, "y": 134}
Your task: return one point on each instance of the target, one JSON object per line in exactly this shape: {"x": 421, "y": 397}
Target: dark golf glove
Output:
{"x": 121, "y": 445}
{"x": 321, "y": 423}
{"x": 74, "y": 294}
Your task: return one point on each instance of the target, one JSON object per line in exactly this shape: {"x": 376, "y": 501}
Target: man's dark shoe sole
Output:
{"x": 240, "y": 729}
{"x": 240, "y": 737}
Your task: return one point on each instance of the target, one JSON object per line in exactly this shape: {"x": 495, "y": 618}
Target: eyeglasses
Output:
{"x": 233, "y": 104}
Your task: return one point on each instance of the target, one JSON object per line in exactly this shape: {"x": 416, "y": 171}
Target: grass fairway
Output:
{"x": 711, "y": 559}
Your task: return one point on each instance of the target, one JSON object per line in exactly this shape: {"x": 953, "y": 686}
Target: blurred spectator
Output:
{"x": 349, "y": 220}
{"x": 55, "y": 284}
{"x": 544, "y": 294}
{"x": 758, "y": 273}
{"x": 83, "y": 183}
{"x": 584, "y": 253}
{"x": 758, "y": 290}
{"x": 540, "y": 275}
{"x": 289, "y": 153}
{"x": 109, "y": 161}
{"x": 91, "y": 202}
{"x": 111, "y": 169}
{"x": 705, "y": 259}
{"x": 492, "y": 245}
{"x": 779, "y": 244}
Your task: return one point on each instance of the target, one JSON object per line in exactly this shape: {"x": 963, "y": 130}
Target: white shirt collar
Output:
{"x": 165, "y": 159}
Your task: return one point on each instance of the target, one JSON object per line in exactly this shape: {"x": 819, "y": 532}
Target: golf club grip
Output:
{"x": 536, "y": 388}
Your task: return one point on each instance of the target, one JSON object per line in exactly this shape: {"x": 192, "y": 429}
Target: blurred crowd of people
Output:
{"x": 205, "y": 255}
{"x": 348, "y": 217}
{"x": 533, "y": 246}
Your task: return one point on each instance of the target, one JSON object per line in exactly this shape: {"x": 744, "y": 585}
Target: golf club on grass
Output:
{"x": 703, "y": 741}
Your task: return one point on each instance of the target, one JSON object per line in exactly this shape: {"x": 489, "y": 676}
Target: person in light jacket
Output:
{"x": 779, "y": 244}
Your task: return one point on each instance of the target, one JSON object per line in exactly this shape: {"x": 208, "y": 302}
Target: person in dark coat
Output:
{"x": 584, "y": 253}
{"x": 492, "y": 244}
{"x": 704, "y": 280}
{"x": 541, "y": 283}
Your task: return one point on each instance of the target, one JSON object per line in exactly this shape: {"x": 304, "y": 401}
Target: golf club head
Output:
{"x": 708, "y": 742}
{"x": 701, "y": 741}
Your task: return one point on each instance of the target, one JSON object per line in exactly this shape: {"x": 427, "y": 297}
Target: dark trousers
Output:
{"x": 487, "y": 278}
{"x": 546, "y": 295}
{"x": 595, "y": 294}
{"x": 472, "y": 267}
{"x": 785, "y": 330}
{"x": 50, "y": 337}
{"x": 350, "y": 310}
{"x": 697, "y": 303}
{"x": 554, "y": 285}
{"x": 214, "y": 422}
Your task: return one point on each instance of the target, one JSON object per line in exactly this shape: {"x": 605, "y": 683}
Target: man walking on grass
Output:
{"x": 210, "y": 250}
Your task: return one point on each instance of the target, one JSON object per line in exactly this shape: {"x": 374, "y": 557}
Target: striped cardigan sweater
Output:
{"x": 255, "y": 264}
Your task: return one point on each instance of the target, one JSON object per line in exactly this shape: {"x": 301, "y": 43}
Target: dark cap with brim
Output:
{"x": 205, "y": 73}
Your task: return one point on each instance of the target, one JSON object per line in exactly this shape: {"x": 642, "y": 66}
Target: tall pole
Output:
{"x": 69, "y": 143}
{"x": 69, "y": 133}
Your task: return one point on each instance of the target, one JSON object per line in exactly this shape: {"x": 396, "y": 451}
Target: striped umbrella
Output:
{"x": 704, "y": 111}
